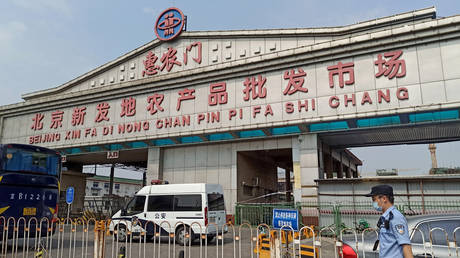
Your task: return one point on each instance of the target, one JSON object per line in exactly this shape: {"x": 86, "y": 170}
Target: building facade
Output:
{"x": 231, "y": 107}
{"x": 100, "y": 186}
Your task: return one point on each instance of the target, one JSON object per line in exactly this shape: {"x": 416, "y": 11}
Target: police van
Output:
{"x": 173, "y": 208}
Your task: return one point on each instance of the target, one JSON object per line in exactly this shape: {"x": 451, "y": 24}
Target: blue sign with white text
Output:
{"x": 286, "y": 218}
{"x": 69, "y": 195}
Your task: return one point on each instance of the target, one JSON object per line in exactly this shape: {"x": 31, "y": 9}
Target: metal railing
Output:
{"x": 258, "y": 213}
{"x": 357, "y": 215}
{"x": 360, "y": 215}
{"x": 103, "y": 206}
{"x": 136, "y": 238}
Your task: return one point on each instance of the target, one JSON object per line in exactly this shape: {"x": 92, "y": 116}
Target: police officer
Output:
{"x": 394, "y": 234}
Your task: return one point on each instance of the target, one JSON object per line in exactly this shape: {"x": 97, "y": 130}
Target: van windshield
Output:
{"x": 216, "y": 202}
{"x": 136, "y": 205}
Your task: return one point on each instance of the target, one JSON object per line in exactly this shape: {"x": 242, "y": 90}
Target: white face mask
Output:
{"x": 376, "y": 206}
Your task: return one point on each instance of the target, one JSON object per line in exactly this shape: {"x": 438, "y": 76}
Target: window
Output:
{"x": 216, "y": 202}
{"x": 106, "y": 185}
{"x": 117, "y": 186}
{"x": 136, "y": 205}
{"x": 160, "y": 203}
{"x": 187, "y": 202}
{"x": 24, "y": 160}
{"x": 95, "y": 184}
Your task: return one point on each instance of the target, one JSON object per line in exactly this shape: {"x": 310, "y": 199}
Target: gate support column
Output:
{"x": 305, "y": 160}
{"x": 154, "y": 165}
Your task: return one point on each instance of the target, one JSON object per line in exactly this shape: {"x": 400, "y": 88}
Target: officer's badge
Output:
{"x": 400, "y": 228}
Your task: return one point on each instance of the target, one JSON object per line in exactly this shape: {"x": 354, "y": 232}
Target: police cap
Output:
{"x": 381, "y": 190}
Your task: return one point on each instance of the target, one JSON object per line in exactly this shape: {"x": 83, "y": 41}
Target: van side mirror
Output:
{"x": 123, "y": 212}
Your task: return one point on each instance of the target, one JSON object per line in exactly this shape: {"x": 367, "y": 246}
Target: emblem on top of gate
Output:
{"x": 169, "y": 24}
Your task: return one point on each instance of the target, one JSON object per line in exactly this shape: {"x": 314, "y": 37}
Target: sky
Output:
{"x": 45, "y": 43}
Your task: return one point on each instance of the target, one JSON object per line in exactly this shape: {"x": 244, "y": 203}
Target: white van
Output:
{"x": 173, "y": 206}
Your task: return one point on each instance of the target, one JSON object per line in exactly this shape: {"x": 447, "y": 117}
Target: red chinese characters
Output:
{"x": 189, "y": 48}
{"x": 56, "y": 119}
{"x": 128, "y": 107}
{"x": 169, "y": 59}
{"x": 217, "y": 94}
{"x": 37, "y": 122}
{"x": 102, "y": 112}
{"x": 340, "y": 70}
{"x": 150, "y": 68}
{"x": 185, "y": 94}
{"x": 254, "y": 88}
{"x": 394, "y": 67}
{"x": 387, "y": 64}
{"x": 78, "y": 116}
{"x": 155, "y": 103}
{"x": 295, "y": 82}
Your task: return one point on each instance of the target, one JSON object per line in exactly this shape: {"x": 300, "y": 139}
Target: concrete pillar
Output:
{"x": 321, "y": 160}
{"x": 1, "y": 129}
{"x": 305, "y": 160}
{"x": 340, "y": 167}
{"x": 349, "y": 172}
{"x": 154, "y": 164}
{"x": 112, "y": 175}
{"x": 287, "y": 183}
{"x": 434, "y": 162}
{"x": 329, "y": 166}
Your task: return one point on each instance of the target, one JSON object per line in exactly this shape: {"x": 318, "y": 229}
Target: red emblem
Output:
{"x": 169, "y": 24}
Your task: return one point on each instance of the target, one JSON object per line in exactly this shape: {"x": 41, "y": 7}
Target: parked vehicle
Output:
{"x": 441, "y": 244}
{"x": 29, "y": 188}
{"x": 173, "y": 208}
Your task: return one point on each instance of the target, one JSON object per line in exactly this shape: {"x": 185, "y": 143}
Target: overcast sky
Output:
{"x": 45, "y": 43}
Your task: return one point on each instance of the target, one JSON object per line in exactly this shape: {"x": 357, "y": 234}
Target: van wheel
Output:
{"x": 121, "y": 233}
{"x": 181, "y": 232}
{"x": 210, "y": 238}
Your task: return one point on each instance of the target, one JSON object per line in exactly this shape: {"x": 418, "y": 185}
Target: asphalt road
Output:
{"x": 78, "y": 244}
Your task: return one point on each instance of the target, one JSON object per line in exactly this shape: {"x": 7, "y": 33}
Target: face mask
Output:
{"x": 376, "y": 206}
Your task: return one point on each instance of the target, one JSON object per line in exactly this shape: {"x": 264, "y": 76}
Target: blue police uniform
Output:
{"x": 393, "y": 234}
